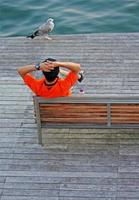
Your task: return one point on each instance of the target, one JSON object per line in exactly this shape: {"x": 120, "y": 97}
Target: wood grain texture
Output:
{"x": 76, "y": 164}
{"x": 88, "y": 113}
{"x": 73, "y": 113}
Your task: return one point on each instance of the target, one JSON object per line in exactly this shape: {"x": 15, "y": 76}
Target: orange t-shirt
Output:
{"x": 60, "y": 89}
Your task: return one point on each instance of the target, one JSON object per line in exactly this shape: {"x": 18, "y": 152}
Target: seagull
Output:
{"x": 43, "y": 30}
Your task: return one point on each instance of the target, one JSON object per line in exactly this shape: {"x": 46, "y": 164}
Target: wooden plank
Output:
{"x": 95, "y": 166}
{"x": 58, "y": 174}
{"x": 16, "y": 115}
{"x": 87, "y": 198}
{"x": 72, "y": 141}
{"x": 100, "y": 120}
{"x": 84, "y": 135}
{"x": 16, "y": 197}
{"x": 31, "y": 185}
{"x": 58, "y": 180}
{"x": 60, "y": 167}
{"x": 128, "y": 194}
{"x": 67, "y": 157}
{"x": 87, "y": 193}
{"x": 129, "y": 150}
{"x": 29, "y": 192}
{"x": 70, "y": 109}
{"x": 87, "y": 114}
{"x": 84, "y": 164}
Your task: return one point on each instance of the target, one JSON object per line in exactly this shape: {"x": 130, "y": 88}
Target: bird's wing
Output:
{"x": 46, "y": 27}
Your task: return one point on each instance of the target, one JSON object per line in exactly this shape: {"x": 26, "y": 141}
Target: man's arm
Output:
{"x": 30, "y": 68}
{"x": 74, "y": 67}
{"x": 48, "y": 66}
{"x": 26, "y": 69}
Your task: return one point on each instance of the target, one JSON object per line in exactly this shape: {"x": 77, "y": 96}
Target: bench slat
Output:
{"x": 99, "y": 120}
{"x": 75, "y": 107}
{"x": 79, "y": 115}
{"x": 114, "y": 122}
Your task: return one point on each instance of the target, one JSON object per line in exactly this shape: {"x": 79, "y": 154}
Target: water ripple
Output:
{"x": 71, "y": 17}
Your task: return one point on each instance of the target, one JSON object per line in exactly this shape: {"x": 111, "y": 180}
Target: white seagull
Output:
{"x": 43, "y": 30}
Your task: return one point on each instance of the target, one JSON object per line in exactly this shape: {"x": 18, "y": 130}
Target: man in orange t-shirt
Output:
{"x": 50, "y": 85}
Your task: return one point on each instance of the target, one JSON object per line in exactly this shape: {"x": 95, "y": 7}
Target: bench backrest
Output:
{"x": 88, "y": 112}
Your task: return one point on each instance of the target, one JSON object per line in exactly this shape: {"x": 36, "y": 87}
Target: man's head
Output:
{"x": 52, "y": 75}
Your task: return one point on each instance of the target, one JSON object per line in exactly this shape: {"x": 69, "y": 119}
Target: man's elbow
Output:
{"x": 78, "y": 68}
{"x": 19, "y": 70}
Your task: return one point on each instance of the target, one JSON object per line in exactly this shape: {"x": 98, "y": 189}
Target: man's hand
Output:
{"x": 47, "y": 66}
{"x": 50, "y": 65}
{"x": 74, "y": 67}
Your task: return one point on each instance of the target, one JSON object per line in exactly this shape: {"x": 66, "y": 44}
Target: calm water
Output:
{"x": 21, "y": 17}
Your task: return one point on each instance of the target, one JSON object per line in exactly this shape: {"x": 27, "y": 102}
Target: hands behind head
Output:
{"x": 48, "y": 66}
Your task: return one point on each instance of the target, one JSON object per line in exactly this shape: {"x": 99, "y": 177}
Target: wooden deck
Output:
{"x": 75, "y": 164}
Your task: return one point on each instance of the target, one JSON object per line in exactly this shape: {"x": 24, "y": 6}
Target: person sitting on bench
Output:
{"x": 51, "y": 85}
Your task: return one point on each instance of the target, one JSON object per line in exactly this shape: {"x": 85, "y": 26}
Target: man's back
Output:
{"x": 60, "y": 89}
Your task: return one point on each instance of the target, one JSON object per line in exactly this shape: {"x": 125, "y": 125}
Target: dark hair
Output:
{"x": 51, "y": 76}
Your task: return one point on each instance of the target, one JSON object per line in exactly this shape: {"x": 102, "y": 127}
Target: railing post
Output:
{"x": 109, "y": 114}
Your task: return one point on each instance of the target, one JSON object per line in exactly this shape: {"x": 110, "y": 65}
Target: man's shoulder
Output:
{"x": 30, "y": 78}
{"x": 71, "y": 75}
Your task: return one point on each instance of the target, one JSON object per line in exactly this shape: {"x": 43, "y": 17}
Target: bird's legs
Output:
{"x": 47, "y": 37}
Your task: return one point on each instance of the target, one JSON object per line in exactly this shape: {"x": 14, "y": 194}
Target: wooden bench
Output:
{"x": 86, "y": 112}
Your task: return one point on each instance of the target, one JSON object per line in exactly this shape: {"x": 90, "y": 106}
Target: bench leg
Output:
{"x": 37, "y": 114}
{"x": 39, "y": 135}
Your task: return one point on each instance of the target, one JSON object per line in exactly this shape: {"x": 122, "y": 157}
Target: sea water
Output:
{"x": 20, "y": 18}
